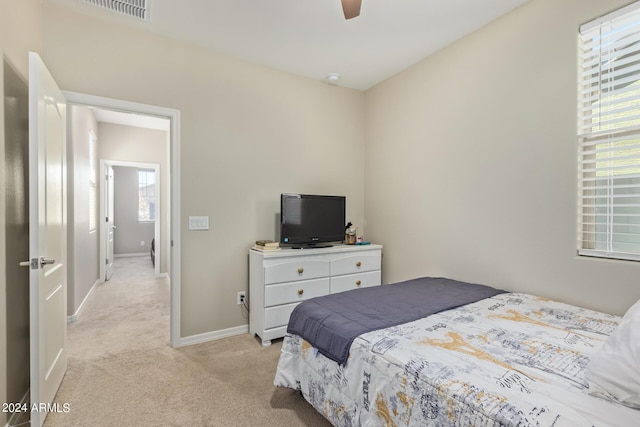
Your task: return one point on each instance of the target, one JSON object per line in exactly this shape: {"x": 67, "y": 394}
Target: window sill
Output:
{"x": 609, "y": 255}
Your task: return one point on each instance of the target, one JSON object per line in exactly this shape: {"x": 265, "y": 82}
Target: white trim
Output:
{"x": 175, "y": 270}
{"x": 140, "y": 254}
{"x": 212, "y": 336}
{"x": 74, "y": 317}
{"x": 609, "y": 255}
{"x": 93, "y": 179}
{"x": 174, "y": 172}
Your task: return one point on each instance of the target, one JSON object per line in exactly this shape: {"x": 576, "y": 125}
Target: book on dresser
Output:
{"x": 265, "y": 248}
{"x": 280, "y": 280}
{"x": 266, "y": 245}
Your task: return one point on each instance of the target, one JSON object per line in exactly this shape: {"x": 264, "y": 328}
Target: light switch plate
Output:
{"x": 198, "y": 223}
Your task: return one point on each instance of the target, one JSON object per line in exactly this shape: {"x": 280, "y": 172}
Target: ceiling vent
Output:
{"x": 135, "y": 8}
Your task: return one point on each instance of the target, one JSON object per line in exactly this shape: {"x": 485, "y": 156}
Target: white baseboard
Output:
{"x": 212, "y": 336}
{"x": 132, "y": 255}
{"x": 74, "y": 317}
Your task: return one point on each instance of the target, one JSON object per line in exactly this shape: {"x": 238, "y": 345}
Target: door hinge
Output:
{"x": 106, "y": 261}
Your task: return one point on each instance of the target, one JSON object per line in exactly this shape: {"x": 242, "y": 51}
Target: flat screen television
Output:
{"x": 308, "y": 220}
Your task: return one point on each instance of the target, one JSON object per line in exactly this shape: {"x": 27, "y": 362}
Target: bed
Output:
{"x": 508, "y": 359}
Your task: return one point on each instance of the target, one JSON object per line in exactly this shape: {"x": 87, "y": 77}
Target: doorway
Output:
{"x": 16, "y": 231}
{"x": 172, "y": 240}
{"x": 132, "y": 207}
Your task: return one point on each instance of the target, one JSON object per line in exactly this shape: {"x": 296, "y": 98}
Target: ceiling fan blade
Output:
{"x": 351, "y": 8}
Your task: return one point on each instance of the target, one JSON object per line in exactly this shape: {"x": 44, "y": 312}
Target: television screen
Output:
{"x": 311, "y": 220}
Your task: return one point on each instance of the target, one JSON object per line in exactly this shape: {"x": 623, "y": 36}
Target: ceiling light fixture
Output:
{"x": 333, "y": 78}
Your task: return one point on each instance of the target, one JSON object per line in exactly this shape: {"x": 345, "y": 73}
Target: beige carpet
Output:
{"x": 123, "y": 372}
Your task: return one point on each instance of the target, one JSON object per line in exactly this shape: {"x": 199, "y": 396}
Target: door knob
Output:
{"x": 35, "y": 261}
{"x": 44, "y": 261}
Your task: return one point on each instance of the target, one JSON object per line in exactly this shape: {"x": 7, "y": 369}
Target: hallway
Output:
{"x": 129, "y": 312}
{"x": 128, "y": 315}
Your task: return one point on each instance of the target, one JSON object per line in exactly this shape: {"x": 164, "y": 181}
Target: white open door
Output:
{"x": 110, "y": 227}
{"x": 47, "y": 238}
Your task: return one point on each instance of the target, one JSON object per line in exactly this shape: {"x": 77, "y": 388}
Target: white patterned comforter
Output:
{"x": 513, "y": 360}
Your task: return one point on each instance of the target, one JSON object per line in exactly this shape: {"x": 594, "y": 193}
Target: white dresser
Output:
{"x": 280, "y": 280}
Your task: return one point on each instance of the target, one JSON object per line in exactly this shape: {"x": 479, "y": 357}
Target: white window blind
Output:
{"x": 146, "y": 195}
{"x": 609, "y": 135}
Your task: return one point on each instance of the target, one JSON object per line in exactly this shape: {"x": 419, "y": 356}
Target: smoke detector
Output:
{"x": 333, "y": 78}
{"x": 135, "y": 8}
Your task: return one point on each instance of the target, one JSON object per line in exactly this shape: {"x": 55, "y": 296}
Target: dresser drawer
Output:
{"x": 290, "y": 271}
{"x": 278, "y": 316}
{"x": 356, "y": 263}
{"x": 355, "y": 281}
{"x": 295, "y": 291}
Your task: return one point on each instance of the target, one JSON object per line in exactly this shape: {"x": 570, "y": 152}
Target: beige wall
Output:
{"x": 471, "y": 162}
{"x": 248, "y": 133}
{"x": 20, "y": 31}
{"x": 134, "y": 144}
{"x": 83, "y": 244}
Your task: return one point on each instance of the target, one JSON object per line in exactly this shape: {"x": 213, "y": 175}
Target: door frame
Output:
{"x": 174, "y": 175}
{"x": 104, "y": 163}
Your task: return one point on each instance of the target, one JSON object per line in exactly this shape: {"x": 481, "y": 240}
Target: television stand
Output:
{"x": 280, "y": 280}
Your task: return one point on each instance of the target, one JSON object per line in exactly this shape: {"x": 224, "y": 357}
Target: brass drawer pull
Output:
{"x": 300, "y": 291}
{"x": 358, "y": 264}
{"x": 358, "y": 283}
{"x": 300, "y": 270}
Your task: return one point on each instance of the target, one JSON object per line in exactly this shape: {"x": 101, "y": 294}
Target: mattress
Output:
{"x": 512, "y": 359}
{"x": 332, "y": 322}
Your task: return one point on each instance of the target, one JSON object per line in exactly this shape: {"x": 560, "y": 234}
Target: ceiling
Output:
{"x": 131, "y": 119}
{"x": 311, "y": 37}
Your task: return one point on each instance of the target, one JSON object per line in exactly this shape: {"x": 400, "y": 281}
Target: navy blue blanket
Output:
{"x": 331, "y": 323}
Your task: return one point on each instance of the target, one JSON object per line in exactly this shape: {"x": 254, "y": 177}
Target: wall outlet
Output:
{"x": 241, "y": 297}
{"x": 141, "y": 242}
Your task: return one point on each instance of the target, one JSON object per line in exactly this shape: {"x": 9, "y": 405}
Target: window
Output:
{"x": 609, "y": 135}
{"x": 146, "y": 195}
{"x": 93, "y": 201}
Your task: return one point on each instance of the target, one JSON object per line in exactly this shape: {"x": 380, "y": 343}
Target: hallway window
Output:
{"x": 146, "y": 195}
